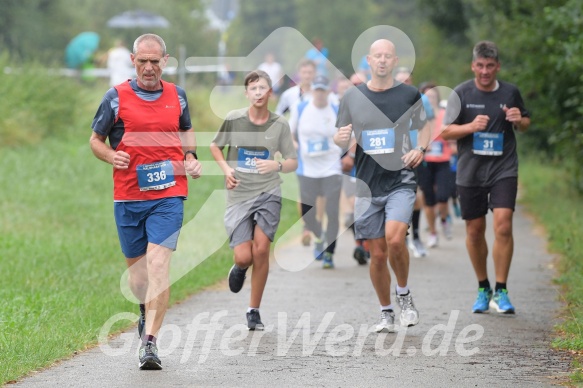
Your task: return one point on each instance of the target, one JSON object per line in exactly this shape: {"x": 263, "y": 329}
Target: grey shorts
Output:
{"x": 371, "y": 214}
{"x": 263, "y": 210}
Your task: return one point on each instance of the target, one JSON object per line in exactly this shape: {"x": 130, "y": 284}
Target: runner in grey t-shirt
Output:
{"x": 381, "y": 113}
{"x": 254, "y": 135}
{"x": 247, "y": 140}
{"x": 487, "y": 172}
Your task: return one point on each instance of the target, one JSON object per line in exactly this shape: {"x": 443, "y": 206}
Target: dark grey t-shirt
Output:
{"x": 490, "y": 155}
{"x": 381, "y": 122}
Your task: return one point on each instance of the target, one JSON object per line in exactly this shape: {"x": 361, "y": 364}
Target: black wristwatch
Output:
{"x": 421, "y": 148}
{"x": 190, "y": 152}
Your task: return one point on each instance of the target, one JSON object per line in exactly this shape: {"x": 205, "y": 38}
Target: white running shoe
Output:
{"x": 416, "y": 246}
{"x": 447, "y": 226}
{"x": 432, "y": 240}
{"x": 409, "y": 314}
{"x": 387, "y": 322}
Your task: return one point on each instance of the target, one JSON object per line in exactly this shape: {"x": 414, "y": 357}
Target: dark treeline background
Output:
{"x": 540, "y": 44}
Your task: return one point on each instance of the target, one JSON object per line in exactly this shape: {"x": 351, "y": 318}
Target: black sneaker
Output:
{"x": 149, "y": 357}
{"x": 360, "y": 255}
{"x": 254, "y": 320}
{"x": 141, "y": 325}
{"x": 236, "y": 278}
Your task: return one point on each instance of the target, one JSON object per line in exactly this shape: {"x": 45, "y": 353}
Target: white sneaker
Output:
{"x": 416, "y": 246}
{"x": 387, "y": 322}
{"x": 432, "y": 240}
{"x": 409, "y": 314}
{"x": 446, "y": 226}
{"x": 410, "y": 243}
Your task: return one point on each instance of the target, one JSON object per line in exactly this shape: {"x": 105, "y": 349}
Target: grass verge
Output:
{"x": 559, "y": 209}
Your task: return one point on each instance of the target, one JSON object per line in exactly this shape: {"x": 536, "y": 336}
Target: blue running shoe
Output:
{"x": 327, "y": 263}
{"x": 318, "y": 249}
{"x": 482, "y": 301}
{"x": 501, "y": 303}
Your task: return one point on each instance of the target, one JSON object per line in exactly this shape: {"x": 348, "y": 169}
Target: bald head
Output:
{"x": 382, "y": 44}
{"x": 382, "y": 59}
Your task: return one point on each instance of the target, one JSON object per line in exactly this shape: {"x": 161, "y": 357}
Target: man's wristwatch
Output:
{"x": 279, "y": 166}
{"x": 421, "y": 148}
{"x": 190, "y": 152}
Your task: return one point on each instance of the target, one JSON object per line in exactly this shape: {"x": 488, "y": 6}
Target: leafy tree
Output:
{"x": 450, "y": 16}
{"x": 255, "y": 21}
{"x": 23, "y": 29}
{"x": 565, "y": 45}
{"x": 337, "y": 24}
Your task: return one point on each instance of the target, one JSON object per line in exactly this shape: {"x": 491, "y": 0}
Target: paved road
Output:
{"x": 319, "y": 326}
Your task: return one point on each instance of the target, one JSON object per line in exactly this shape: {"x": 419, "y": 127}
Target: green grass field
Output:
{"x": 559, "y": 209}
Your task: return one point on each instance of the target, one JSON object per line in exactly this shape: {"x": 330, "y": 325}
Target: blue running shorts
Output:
{"x": 142, "y": 222}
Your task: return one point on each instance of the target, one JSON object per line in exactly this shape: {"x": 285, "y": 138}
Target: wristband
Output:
{"x": 190, "y": 152}
{"x": 422, "y": 149}
{"x": 279, "y": 167}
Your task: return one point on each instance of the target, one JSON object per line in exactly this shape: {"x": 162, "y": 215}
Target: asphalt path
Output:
{"x": 319, "y": 329}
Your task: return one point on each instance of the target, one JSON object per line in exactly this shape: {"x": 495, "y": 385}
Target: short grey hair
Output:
{"x": 485, "y": 49}
{"x": 152, "y": 37}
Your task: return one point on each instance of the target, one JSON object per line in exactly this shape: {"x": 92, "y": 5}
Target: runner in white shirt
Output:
{"x": 275, "y": 72}
{"x": 313, "y": 125}
{"x": 302, "y": 91}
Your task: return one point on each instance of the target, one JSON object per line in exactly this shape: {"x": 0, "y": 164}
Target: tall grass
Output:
{"x": 559, "y": 208}
{"x": 34, "y": 104}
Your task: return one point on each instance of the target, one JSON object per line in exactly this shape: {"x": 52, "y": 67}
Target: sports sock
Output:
{"x": 500, "y": 286}
{"x": 415, "y": 223}
{"x": 149, "y": 338}
{"x": 484, "y": 284}
{"x": 402, "y": 290}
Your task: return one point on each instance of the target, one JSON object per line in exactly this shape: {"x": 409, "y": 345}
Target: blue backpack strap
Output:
{"x": 336, "y": 109}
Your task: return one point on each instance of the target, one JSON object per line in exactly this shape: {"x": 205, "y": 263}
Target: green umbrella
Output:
{"x": 81, "y": 48}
